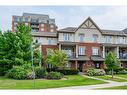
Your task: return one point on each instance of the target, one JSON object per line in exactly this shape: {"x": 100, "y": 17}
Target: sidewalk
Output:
{"x": 97, "y": 86}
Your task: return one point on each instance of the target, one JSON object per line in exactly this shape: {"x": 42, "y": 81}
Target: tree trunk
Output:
{"x": 112, "y": 73}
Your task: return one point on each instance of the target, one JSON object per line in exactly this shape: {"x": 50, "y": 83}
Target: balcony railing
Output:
{"x": 123, "y": 55}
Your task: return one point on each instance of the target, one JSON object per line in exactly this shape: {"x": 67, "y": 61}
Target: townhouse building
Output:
{"x": 86, "y": 45}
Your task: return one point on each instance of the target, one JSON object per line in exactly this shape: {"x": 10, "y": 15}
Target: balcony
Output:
{"x": 71, "y": 55}
{"x": 123, "y": 56}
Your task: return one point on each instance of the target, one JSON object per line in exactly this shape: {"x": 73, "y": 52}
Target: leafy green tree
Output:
{"x": 7, "y": 51}
{"x": 56, "y": 58}
{"x": 112, "y": 62}
{"x": 23, "y": 46}
{"x": 15, "y": 48}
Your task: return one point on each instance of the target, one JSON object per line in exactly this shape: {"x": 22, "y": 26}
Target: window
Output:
{"x": 51, "y": 26}
{"x": 121, "y": 40}
{"x": 26, "y": 24}
{"x": 81, "y": 50}
{"x": 97, "y": 65}
{"x": 94, "y": 51}
{"x": 50, "y": 41}
{"x": 95, "y": 36}
{"x": 52, "y": 30}
{"x": 66, "y": 37}
{"x": 20, "y": 19}
{"x": 42, "y": 29}
{"x": 42, "y": 25}
{"x": 81, "y": 36}
{"x": 26, "y": 19}
{"x": 108, "y": 39}
{"x": 15, "y": 18}
{"x": 15, "y": 23}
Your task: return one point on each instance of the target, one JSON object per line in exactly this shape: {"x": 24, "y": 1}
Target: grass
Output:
{"x": 110, "y": 78}
{"x": 123, "y": 76}
{"x": 116, "y": 88}
{"x": 72, "y": 80}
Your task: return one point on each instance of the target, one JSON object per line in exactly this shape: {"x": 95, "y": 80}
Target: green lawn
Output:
{"x": 72, "y": 80}
{"x": 123, "y": 76}
{"x": 117, "y": 88}
{"x": 110, "y": 78}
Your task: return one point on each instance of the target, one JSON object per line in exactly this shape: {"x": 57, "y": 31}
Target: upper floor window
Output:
{"x": 20, "y": 19}
{"x": 120, "y": 40}
{"x": 95, "y": 36}
{"x": 81, "y": 36}
{"x": 94, "y": 51}
{"x": 67, "y": 37}
{"x": 26, "y": 19}
{"x": 81, "y": 50}
{"x": 51, "y": 26}
{"x": 50, "y": 41}
{"x": 51, "y": 30}
{"x": 42, "y": 25}
{"x": 15, "y": 18}
{"x": 108, "y": 39}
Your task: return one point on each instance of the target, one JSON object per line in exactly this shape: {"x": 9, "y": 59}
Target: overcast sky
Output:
{"x": 106, "y": 17}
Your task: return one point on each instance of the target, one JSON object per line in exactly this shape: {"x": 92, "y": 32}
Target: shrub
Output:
{"x": 30, "y": 75}
{"x": 17, "y": 72}
{"x": 54, "y": 75}
{"x": 64, "y": 71}
{"x": 40, "y": 72}
{"x": 110, "y": 72}
{"x": 95, "y": 72}
{"x": 122, "y": 72}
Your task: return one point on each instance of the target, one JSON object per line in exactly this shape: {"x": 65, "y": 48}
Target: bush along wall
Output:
{"x": 64, "y": 71}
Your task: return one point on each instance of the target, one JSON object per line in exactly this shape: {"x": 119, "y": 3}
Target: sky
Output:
{"x": 106, "y": 17}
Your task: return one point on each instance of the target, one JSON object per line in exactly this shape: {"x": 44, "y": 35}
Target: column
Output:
{"x": 76, "y": 64}
{"x": 117, "y": 51}
{"x": 103, "y": 51}
{"x": 59, "y": 46}
{"x": 76, "y": 51}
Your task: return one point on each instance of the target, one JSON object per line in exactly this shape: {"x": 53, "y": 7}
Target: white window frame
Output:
{"x": 95, "y": 51}
{"x": 120, "y": 40}
{"x": 51, "y": 26}
{"x": 95, "y": 39}
{"x": 81, "y": 50}
{"x": 81, "y": 37}
{"x": 66, "y": 37}
{"x": 51, "y": 30}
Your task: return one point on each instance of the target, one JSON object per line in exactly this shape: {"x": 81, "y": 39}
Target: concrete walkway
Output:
{"x": 97, "y": 86}
{"x": 91, "y": 87}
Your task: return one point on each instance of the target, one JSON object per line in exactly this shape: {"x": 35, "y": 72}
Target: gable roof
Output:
{"x": 90, "y": 21}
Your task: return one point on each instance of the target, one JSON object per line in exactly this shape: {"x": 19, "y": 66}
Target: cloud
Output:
{"x": 106, "y": 17}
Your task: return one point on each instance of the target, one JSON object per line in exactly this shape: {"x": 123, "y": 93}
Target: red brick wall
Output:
{"x": 44, "y": 47}
{"x": 89, "y": 47}
{"x": 124, "y": 64}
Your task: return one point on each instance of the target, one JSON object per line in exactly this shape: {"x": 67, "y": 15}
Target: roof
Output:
{"x": 113, "y": 32}
{"x": 97, "y": 58}
{"x": 80, "y": 58}
{"x": 103, "y": 31}
{"x": 68, "y": 29}
{"x": 44, "y": 34}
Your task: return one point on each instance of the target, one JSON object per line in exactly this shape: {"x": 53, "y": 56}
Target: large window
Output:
{"x": 120, "y": 40}
{"x": 81, "y": 50}
{"x": 108, "y": 39}
{"x": 67, "y": 37}
{"x": 50, "y": 41}
{"x": 95, "y": 36}
{"x": 81, "y": 36}
{"x": 94, "y": 51}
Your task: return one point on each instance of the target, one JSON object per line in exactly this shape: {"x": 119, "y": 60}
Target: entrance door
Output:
{"x": 80, "y": 66}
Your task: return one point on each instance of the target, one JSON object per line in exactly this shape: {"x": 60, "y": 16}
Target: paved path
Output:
{"x": 97, "y": 86}
{"x": 91, "y": 87}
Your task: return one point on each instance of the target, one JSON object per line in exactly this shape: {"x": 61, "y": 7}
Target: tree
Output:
{"x": 112, "y": 62}
{"x": 56, "y": 58}
{"x": 15, "y": 48}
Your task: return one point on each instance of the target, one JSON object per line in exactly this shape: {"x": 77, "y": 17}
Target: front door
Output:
{"x": 80, "y": 66}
